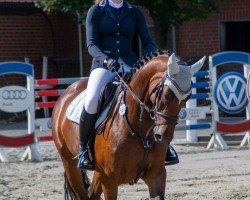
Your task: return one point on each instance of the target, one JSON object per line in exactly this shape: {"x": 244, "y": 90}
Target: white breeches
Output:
{"x": 98, "y": 79}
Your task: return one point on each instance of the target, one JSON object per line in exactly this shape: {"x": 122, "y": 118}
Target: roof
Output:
{"x": 16, "y": 1}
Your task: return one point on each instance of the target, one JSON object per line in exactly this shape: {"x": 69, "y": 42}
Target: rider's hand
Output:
{"x": 111, "y": 64}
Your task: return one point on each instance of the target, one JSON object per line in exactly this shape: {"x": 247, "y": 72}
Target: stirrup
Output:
{"x": 84, "y": 161}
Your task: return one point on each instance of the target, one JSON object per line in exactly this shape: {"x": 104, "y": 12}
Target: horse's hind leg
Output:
{"x": 156, "y": 183}
{"x": 95, "y": 189}
{"x": 74, "y": 177}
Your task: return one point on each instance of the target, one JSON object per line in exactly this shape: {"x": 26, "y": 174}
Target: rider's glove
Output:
{"x": 111, "y": 64}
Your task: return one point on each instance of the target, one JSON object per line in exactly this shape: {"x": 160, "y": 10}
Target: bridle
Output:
{"x": 147, "y": 143}
{"x": 171, "y": 81}
{"x": 153, "y": 112}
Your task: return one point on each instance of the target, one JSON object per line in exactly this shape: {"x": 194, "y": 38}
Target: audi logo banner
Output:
{"x": 14, "y": 94}
{"x": 15, "y": 99}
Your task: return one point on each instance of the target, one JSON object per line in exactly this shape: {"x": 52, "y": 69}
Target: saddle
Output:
{"x": 106, "y": 100}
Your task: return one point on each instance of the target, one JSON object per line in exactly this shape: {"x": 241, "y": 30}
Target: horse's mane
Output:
{"x": 145, "y": 59}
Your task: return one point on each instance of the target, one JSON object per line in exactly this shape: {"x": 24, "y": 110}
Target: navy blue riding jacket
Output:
{"x": 109, "y": 33}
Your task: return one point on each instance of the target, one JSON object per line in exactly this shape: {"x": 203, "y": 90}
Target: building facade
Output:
{"x": 26, "y": 31}
{"x": 227, "y": 30}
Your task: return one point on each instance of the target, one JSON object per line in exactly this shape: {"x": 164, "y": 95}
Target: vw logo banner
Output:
{"x": 182, "y": 114}
{"x": 230, "y": 94}
{"x": 15, "y": 99}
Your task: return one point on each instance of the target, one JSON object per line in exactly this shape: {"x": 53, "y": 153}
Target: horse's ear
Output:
{"x": 173, "y": 67}
{"x": 197, "y": 66}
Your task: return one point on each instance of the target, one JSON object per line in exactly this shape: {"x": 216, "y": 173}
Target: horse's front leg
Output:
{"x": 109, "y": 188}
{"x": 95, "y": 189}
{"x": 156, "y": 182}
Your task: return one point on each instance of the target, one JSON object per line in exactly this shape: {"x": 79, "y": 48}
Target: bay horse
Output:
{"x": 132, "y": 145}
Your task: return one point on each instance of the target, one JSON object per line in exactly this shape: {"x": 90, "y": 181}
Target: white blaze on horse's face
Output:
{"x": 179, "y": 76}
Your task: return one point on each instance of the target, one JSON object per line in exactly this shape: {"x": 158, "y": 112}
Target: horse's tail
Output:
{"x": 86, "y": 181}
{"x": 69, "y": 192}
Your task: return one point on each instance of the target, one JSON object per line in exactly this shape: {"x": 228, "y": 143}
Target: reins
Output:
{"x": 153, "y": 113}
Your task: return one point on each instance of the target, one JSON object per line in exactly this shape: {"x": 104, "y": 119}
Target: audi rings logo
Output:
{"x": 15, "y": 99}
{"x": 14, "y": 94}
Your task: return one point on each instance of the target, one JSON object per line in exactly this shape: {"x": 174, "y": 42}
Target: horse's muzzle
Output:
{"x": 159, "y": 133}
{"x": 163, "y": 133}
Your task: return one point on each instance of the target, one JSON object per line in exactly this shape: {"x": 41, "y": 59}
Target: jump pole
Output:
{"x": 18, "y": 103}
{"x": 246, "y": 139}
{"x": 3, "y": 156}
{"x": 32, "y": 150}
{"x": 191, "y": 135}
{"x": 219, "y": 127}
{"x": 192, "y": 112}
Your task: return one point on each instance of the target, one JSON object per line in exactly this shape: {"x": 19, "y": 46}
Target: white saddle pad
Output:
{"x": 74, "y": 110}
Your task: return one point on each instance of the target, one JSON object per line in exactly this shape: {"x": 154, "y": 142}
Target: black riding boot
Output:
{"x": 86, "y": 129}
{"x": 171, "y": 157}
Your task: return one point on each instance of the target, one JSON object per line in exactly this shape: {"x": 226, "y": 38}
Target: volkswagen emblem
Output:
{"x": 230, "y": 94}
{"x": 183, "y": 114}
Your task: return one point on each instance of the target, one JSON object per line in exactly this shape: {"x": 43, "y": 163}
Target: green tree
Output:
{"x": 165, "y": 13}
{"x": 72, "y": 6}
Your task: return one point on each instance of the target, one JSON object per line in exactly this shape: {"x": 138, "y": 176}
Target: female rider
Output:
{"x": 110, "y": 26}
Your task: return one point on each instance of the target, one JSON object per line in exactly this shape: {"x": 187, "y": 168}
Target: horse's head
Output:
{"x": 169, "y": 95}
